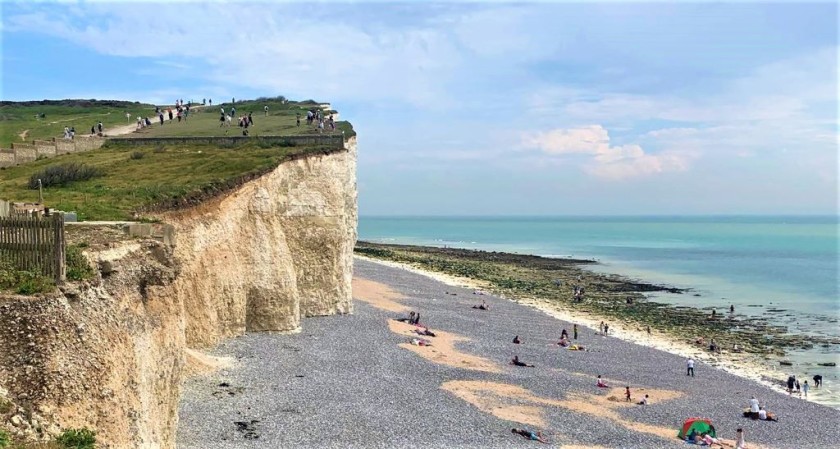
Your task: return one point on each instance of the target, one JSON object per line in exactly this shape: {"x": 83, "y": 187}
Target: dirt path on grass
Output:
{"x": 131, "y": 127}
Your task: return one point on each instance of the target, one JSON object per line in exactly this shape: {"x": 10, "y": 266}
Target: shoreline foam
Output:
{"x": 745, "y": 366}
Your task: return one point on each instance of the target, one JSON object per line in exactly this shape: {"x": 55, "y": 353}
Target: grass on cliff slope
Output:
{"x": 165, "y": 177}
{"x": 281, "y": 120}
{"x": 18, "y": 121}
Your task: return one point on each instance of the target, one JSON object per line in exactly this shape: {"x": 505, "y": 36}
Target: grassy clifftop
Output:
{"x": 23, "y": 121}
{"x": 134, "y": 179}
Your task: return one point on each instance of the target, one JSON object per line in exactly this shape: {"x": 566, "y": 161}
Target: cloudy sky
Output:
{"x": 490, "y": 108}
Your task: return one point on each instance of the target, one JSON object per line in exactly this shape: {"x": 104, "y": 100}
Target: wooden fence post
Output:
{"x": 59, "y": 249}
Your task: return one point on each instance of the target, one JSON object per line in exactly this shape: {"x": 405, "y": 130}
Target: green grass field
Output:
{"x": 19, "y": 119}
{"x": 204, "y": 121}
{"x": 21, "y": 122}
{"x": 162, "y": 176}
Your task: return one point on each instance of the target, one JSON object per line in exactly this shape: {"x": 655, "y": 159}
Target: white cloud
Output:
{"x": 606, "y": 161}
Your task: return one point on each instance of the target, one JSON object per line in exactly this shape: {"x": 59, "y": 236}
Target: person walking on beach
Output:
{"x": 805, "y": 388}
{"x": 575, "y": 331}
{"x": 689, "y": 364}
{"x": 627, "y": 393}
{"x": 791, "y": 381}
{"x": 798, "y": 388}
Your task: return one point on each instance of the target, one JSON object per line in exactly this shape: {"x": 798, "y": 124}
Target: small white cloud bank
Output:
{"x": 606, "y": 161}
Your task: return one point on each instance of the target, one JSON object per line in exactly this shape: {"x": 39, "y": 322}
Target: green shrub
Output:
{"x": 23, "y": 282}
{"x": 4, "y": 439}
{"x": 63, "y": 174}
{"x": 137, "y": 155}
{"x": 30, "y": 283}
{"x": 77, "y": 266}
{"x": 77, "y": 439}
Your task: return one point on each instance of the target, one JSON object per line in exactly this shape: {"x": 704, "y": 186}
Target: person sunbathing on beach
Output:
{"x": 563, "y": 342}
{"x": 517, "y": 362}
{"x": 704, "y": 439}
{"x": 482, "y": 306}
{"x": 409, "y": 320}
{"x": 576, "y": 348}
{"x": 644, "y": 400}
{"x": 425, "y": 331}
{"x": 534, "y": 436}
{"x": 516, "y": 340}
{"x": 601, "y": 383}
{"x": 420, "y": 342}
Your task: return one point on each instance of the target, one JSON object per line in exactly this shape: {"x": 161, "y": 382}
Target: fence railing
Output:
{"x": 34, "y": 243}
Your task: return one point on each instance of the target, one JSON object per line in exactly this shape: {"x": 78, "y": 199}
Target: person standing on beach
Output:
{"x": 575, "y": 331}
{"x": 740, "y": 440}
{"x": 791, "y": 381}
{"x": 805, "y": 388}
{"x": 606, "y": 329}
{"x": 601, "y": 328}
{"x": 798, "y": 388}
{"x": 689, "y": 367}
{"x": 627, "y": 393}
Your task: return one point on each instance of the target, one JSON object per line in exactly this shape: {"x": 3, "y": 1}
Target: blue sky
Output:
{"x": 490, "y": 108}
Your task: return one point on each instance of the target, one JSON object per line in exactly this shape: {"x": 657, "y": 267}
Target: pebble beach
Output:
{"x": 357, "y": 381}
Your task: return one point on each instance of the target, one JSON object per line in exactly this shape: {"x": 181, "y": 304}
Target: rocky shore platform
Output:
{"x": 357, "y": 381}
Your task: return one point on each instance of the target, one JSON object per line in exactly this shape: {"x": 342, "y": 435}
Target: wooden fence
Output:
{"x": 34, "y": 243}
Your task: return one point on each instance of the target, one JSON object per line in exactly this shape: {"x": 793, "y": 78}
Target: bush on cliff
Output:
{"x": 4, "y": 439}
{"x": 77, "y": 266}
{"x": 23, "y": 282}
{"x": 77, "y": 439}
{"x": 63, "y": 174}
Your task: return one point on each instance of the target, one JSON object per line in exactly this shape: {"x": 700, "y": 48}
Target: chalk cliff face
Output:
{"x": 110, "y": 354}
{"x": 278, "y": 249}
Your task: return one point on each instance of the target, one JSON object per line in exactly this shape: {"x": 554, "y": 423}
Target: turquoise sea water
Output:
{"x": 782, "y": 268}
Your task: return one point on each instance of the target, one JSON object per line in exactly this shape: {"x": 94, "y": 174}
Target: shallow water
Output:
{"x": 783, "y": 269}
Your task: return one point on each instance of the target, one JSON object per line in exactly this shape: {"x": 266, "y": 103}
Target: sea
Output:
{"x": 781, "y": 268}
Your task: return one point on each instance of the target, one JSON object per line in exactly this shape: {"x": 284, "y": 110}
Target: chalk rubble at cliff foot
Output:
{"x": 109, "y": 353}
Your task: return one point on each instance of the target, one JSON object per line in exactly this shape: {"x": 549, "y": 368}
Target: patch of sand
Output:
{"x": 378, "y": 295}
{"x": 443, "y": 349}
{"x": 616, "y": 396}
{"x": 198, "y": 363}
{"x": 514, "y": 403}
{"x": 23, "y": 134}
{"x": 504, "y": 401}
